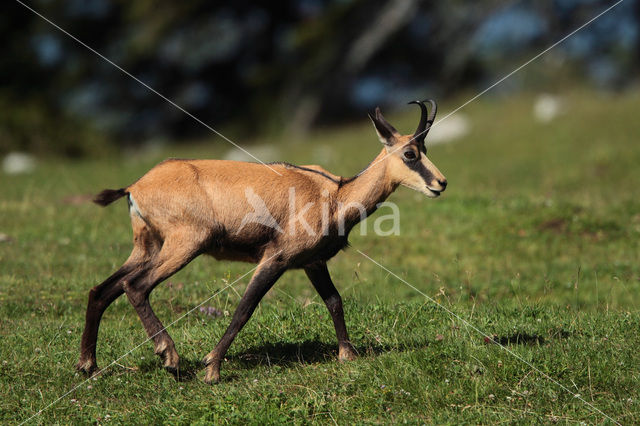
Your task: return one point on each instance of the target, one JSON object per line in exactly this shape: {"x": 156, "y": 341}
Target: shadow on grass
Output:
{"x": 310, "y": 352}
{"x": 189, "y": 368}
{"x": 531, "y": 339}
{"x": 282, "y": 354}
{"x": 520, "y": 339}
{"x": 289, "y": 354}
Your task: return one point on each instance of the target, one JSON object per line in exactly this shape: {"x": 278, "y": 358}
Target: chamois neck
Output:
{"x": 369, "y": 188}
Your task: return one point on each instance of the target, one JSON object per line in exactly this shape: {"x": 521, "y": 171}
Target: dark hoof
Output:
{"x": 173, "y": 370}
{"x": 87, "y": 367}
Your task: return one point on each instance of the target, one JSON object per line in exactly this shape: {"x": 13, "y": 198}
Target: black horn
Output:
{"x": 426, "y": 120}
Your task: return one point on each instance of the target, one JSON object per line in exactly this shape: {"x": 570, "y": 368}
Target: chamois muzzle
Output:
{"x": 426, "y": 120}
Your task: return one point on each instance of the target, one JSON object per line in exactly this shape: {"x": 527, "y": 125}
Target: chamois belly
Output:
{"x": 243, "y": 247}
{"x": 296, "y": 255}
{"x": 323, "y": 250}
{"x": 251, "y": 255}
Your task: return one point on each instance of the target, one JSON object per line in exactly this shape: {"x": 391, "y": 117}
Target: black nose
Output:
{"x": 443, "y": 183}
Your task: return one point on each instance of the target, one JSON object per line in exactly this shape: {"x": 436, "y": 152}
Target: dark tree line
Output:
{"x": 273, "y": 65}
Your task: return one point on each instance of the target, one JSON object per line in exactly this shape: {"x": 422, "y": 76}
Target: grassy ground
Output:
{"x": 535, "y": 242}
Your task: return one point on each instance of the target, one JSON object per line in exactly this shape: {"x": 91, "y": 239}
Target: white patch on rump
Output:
{"x": 133, "y": 207}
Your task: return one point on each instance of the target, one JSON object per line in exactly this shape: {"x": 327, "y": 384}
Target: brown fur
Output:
{"x": 108, "y": 196}
{"x": 183, "y": 208}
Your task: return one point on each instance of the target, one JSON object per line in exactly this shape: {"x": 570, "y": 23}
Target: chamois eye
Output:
{"x": 410, "y": 155}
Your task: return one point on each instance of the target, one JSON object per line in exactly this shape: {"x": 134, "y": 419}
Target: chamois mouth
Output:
{"x": 435, "y": 192}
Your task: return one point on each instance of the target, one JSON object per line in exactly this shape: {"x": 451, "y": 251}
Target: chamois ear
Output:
{"x": 386, "y": 132}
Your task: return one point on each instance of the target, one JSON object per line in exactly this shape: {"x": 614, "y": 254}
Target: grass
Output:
{"x": 535, "y": 242}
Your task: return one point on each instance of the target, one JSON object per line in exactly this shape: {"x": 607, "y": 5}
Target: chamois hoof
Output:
{"x": 171, "y": 362}
{"x": 87, "y": 367}
{"x": 212, "y": 367}
{"x": 212, "y": 375}
{"x": 167, "y": 352}
{"x": 347, "y": 353}
{"x": 175, "y": 371}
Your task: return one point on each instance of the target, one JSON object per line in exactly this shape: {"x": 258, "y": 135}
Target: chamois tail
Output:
{"x": 108, "y": 196}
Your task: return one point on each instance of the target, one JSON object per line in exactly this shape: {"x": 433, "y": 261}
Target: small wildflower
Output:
{"x": 383, "y": 386}
{"x": 491, "y": 396}
{"x": 90, "y": 387}
{"x": 211, "y": 311}
{"x": 69, "y": 331}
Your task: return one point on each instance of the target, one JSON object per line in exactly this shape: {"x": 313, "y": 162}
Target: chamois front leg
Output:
{"x": 321, "y": 280}
{"x": 263, "y": 279}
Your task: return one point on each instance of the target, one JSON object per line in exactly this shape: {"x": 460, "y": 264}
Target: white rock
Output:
{"x": 547, "y": 107}
{"x": 18, "y": 162}
{"x": 451, "y": 128}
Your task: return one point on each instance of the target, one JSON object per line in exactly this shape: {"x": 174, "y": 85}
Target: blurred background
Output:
{"x": 256, "y": 68}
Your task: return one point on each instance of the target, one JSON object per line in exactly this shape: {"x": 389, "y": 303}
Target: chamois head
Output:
{"x": 407, "y": 154}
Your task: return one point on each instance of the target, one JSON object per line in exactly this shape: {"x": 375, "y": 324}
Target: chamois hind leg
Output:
{"x": 100, "y": 297}
{"x": 177, "y": 251}
{"x": 266, "y": 274}
{"x": 321, "y": 280}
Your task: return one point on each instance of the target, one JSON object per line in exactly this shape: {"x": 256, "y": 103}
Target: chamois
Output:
{"x": 241, "y": 211}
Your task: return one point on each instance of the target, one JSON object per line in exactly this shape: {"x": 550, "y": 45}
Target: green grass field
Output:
{"x": 535, "y": 242}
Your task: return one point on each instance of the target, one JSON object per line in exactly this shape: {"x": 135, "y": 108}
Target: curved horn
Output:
{"x": 426, "y": 120}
